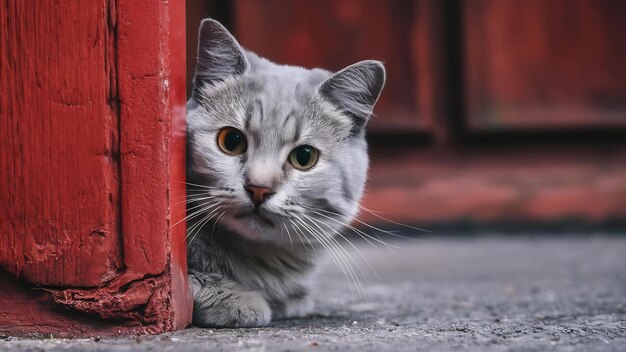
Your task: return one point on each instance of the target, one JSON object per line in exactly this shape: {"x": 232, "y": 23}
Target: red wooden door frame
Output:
{"x": 128, "y": 272}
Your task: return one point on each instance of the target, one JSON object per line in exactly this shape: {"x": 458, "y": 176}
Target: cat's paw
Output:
{"x": 292, "y": 308}
{"x": 225, "y": 304}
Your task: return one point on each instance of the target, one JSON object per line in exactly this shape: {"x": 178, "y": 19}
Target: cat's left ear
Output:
{"x": 355, "y": 89}
{"x": 219, "y": 54}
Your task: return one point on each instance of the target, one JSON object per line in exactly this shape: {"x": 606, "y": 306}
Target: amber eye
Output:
{"x": 303, "y": 157}
{"x": 232, "y": 141}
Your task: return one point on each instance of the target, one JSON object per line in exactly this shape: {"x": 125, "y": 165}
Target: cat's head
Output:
{"x": 276, "y": 151}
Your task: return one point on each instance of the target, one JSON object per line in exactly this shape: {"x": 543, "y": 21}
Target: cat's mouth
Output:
{"x": 255, "y": 214}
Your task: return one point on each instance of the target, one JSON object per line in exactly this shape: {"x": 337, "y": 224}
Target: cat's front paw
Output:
{"x": 291, "y": 307}
{"x": 225, "y": 304}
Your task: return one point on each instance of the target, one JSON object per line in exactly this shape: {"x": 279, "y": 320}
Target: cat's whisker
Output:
{"x": 206, "y": 214}
{"x": 310, "y": 244}
{"x": 207, "y": 206}
{"x": 194, "y": 226}
{"x": 351, "y": 244}
{"x": 296, "y": 229}
{"x": 217, "y": 222}
{"x": 189, "y": 209}
{"x": 198, "y": 229}
{"x": 197, "y": 206}
{"x": 246, "y": 274}
{"x": 288, "y": 234}
{"x": 339, "y": 253}
{"x": 282, "y": 233}
{"x": 189, "y": 201}
{"x": 346, "y": 254}
{"x": 362, "y": 234}
{"x": 382, "y": 230}
{"x": 197, "y": 226}
{"x": 374, "y": 227}
{"x": 306, "y": 251}
{"x": 332, "y": 253}
{"x": 300, "y": 231}
{"x": 192, "y": 201}
{"x": 200, "y": 189}
{"x": 391, "y": 221}
{"x": 195, "y": 193}
{"x": 196, "y": 197}
{"x": 198, "y": 185}
{"x": 213, "y": 194}
{"x": 191, "y": 193}
{"x": 210, "y": 207}
{"x": 203, "y": 222}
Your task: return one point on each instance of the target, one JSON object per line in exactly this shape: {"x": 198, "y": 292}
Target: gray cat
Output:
{"x": 277, "y": 161}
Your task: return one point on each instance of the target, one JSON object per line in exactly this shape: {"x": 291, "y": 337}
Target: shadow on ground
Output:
{"x": 532, "y": 293}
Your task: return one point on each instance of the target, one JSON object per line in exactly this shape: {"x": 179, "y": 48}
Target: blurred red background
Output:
{"x": 495, "y": 111}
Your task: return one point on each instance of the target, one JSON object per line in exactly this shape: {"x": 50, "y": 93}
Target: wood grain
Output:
{"x": 334, "y": 34}
{"x": 30, "y": 312}
{"x": 92, "y": 164}
{"x": 152, "y": 87}
{"x": 511, "y": 185}
{"x": 545, "y": 64}
{"x": 59, "y": 171}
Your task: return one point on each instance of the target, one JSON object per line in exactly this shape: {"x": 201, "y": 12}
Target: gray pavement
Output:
{"x": 500, "y": 293}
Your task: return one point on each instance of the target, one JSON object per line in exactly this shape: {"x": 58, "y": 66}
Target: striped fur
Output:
{"x": 244, "y": 271}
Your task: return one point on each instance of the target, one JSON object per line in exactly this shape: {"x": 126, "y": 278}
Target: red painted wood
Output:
{"x": 92, "y": 163}
{"x": 59, "y": 139}
{"x": 27, "y": 311}
{"x": 518, "y": 185}
{"x": 181, "y": 300}
{"x": 333, "y": 34}
{"x": 537, "y": 64}
{"x": 144, "y": 92}
{"x": 427, "y": 50}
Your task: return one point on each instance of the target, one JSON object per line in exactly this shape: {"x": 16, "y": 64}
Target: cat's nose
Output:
{"x": 258, "y": 194}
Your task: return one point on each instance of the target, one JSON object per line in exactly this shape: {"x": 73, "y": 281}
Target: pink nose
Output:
{"x": 258, "y": 194}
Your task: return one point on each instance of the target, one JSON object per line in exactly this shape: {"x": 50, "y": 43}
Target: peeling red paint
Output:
{"x": 91, "y": 158}
{"x": 118, "y": 303}
{"x": 55, "y": 184}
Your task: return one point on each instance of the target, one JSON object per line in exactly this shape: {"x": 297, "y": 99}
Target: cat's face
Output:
{"x": 276, "y": 153}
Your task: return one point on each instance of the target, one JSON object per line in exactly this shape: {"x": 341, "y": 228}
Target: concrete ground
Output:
{"x": 521, "y": 293}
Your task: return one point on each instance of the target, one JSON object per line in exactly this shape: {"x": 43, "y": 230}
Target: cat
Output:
{"x": 276, "y": 165}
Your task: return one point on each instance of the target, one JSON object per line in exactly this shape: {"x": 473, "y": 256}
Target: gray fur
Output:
{"x": 246, "y": 269}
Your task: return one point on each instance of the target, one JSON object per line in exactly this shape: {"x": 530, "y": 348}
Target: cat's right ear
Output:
{"x": 355, "y": 89}
{"x": 219, "y": 54}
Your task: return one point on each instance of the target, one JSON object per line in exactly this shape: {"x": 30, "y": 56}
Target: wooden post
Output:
{"x": 92, "y": 169}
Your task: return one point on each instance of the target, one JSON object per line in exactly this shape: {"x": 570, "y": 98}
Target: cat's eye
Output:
{"x": 232, "y": 141}
{"x": 303, "y": 157}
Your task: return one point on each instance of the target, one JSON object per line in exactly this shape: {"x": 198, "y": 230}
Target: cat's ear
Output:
{"x": 219, "y": 54}
{"x": 355, "y": 89}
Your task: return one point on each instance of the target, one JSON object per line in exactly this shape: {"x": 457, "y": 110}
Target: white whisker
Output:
{"x": 288, "y": 234}
{"x": 196, "y": 213}
{"x": 197, "y": 185}
{"x": 203, "y": 222}
{"x": 333, "y": 255}
{"x": 391, "y": 221}
{"x": 345, "y": 253}
{"x": 296, "y": 229}
{"x": 363, "y": 235}
{"x": 337, "y": 249}
{"x": 351, "y": 244}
